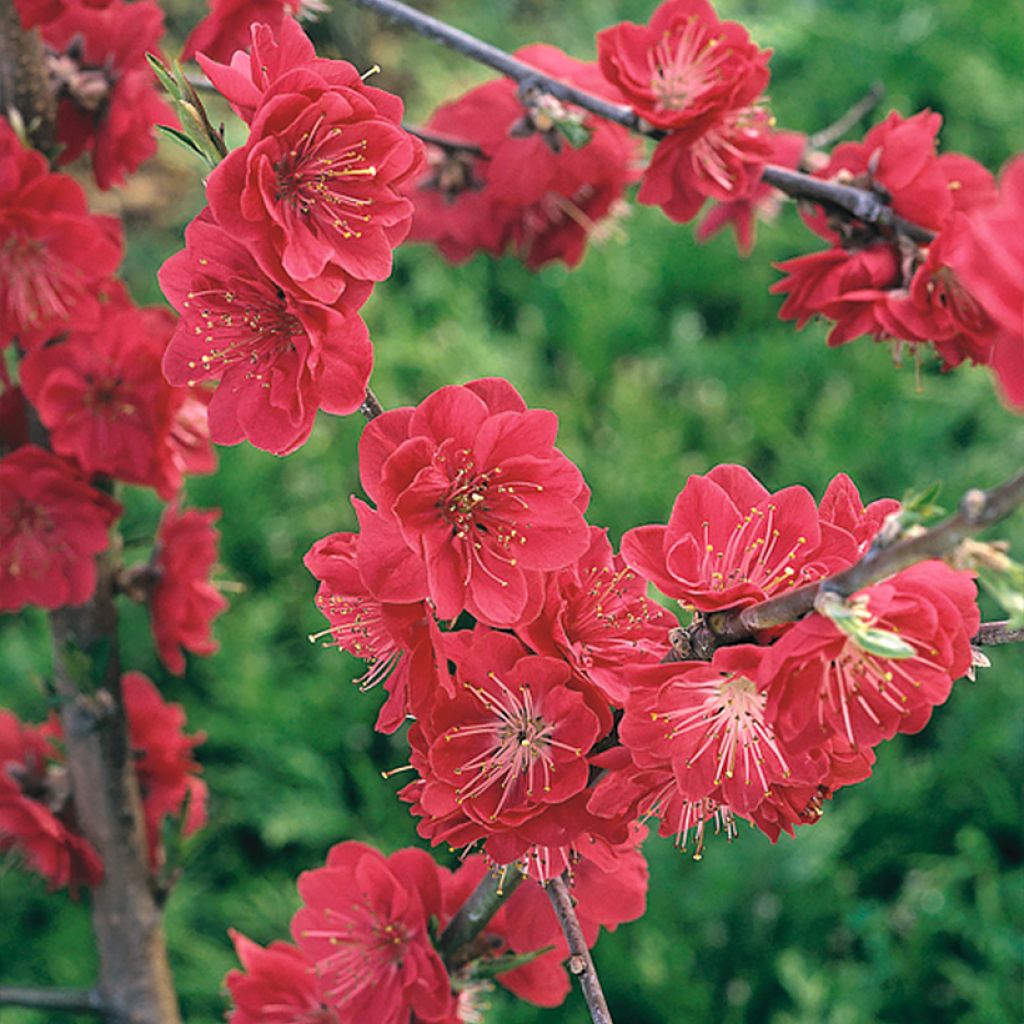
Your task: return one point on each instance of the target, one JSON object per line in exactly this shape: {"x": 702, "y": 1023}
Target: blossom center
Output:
{"x": 684, "y": 65}
{"x": 358, "y": 627}
{"x": 320, "y": 179}
{"x": 36, "y": 286}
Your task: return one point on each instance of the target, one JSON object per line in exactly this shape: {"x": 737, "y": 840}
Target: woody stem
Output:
{"x": 860, "y": 203}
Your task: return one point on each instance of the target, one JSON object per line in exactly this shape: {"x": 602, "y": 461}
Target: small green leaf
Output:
{"x": 1006, "y": 587}
{"x": 491, "y": 967}
{"x": 575, "y": 132}
{"x": 163, "y": 73}
{"x": 885, "y": 645}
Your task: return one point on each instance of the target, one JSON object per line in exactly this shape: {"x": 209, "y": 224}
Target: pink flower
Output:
{"x": 363, "y": 924}
{"x": 528, "y": 188}
{"x": 166, "y": 769}
{"x": 183, "y": 602}
{"x": 314, "y": 193}
{"x": 483, "y": 500}
{"x": 278, "y": 355}
{"x": 52, "y": 525}
{"x": 729, "y": 542}
{"x": 36, "y": 813}
{"x": 278, "y": 986}
{"x": 823, "y": 682}
{"x": 397, "y": 640}
{"x": 55, "y": 257}
{"x": 114, "y": 117}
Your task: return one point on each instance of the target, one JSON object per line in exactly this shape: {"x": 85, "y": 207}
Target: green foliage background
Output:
{"x": 662, "y": 358}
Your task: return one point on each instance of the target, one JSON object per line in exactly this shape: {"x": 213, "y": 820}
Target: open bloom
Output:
{"x": 52, "y": 525}
{"x": 278, "y": 355}
{"x": 729, "y": 542}
{"x": 314, "y": 193}
{"x": 54, "y": 255}
{"x": 482, "y": 499}
{"x": 821, "y": 681}
{"x": 363, "y": 925}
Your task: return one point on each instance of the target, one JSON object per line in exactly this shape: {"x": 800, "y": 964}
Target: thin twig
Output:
{"x": 444, "y": 141}
{"x": 71, "y": 1000}
{"x": 994, "y": 634}
{"x": 864, "y": 205}
{"x": 482, "y": 904}
{"x": 580, "y": 961}
{"x": 834, "y": 132}
{"x": 371, "y": 407}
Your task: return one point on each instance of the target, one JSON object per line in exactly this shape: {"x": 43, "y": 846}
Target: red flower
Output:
{"x": 527, "y": 188}
{"x": 730, "y": 543}
{"x": 278, "y": 355}
{"x": 710, "y": 723}
{"x": 685, "y": 68}
{"x": 597, "y": 617}
{"x": 481, "y": 496}
{"x": 105, "y": 402}
{"x": 36, "y": 815}
{"x": 363, "y": 924}
{"x": 787, "y": 150}
{"x": 397, "y": 640}
{"x": 183, "y": 602}
{"x": 111, "y": 114}
{"x": 227, "y": 27}
{"x": 281, "y": 986}
{"x": 823, "y": 682}
{"x": 52, "y": 525}
{"x": 505, "y": 759}
{"x": 841, "y": 506}
{"x": 991, "y": 265}
{"x": 163, "y": 761}
{"x": 55, "y": 256}
{"x": 314, "y": 192}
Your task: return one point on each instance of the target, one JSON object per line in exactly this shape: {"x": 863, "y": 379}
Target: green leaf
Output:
{"x": 164, "y": 74}
{"x": 1006, "y": 587}
{"x": 575, "y": 132}
{"x": 884, "y": 644}
{"x": 491, "y": 967}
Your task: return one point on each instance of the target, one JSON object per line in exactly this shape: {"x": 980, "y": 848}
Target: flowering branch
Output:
{"x": 580, "y": 961}
{"x": 71, "y": 1000}
{"x": 472, "y": 917}
{"x": 862, "y": 204}
{"x": 371, "y": 407}
{"x": 888, "y": 555}
{"x": 834, "y": 132}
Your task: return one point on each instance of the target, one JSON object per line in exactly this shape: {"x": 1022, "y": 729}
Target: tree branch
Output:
{"x": 866, "y": 206}
{"x": 483, "y": 903}
{"x": 834, "y": 132}
{"x": 978, "y": 510}
{"x": 994, "y": 634}
{"x": 24, "y": 83}
{"x": 580, "y": 961}
{"x": 371, "y": 407}
{"x": 71, "y": 1000}
{"x": 443, "y": 141}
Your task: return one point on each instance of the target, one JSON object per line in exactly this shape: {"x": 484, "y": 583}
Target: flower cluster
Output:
{"x": 301, "y": 223}
{"x": 37, "y": 809}
{"x": 364, "y": 940}
{"x": 699, "y": 80}
{"x": 108, "y": 102}
{"x": 888, "y": 286}
{"x": 536, "y": 180}
{"x": 515, "y": 740}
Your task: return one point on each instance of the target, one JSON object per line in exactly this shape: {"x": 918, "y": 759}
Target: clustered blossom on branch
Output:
{"x": 107, "y": 97}
{"x": 536, "y": 180}
{"x": 363, "y": 948}
{"x": 301, "y": 224}
{"x": 37, "y": 811}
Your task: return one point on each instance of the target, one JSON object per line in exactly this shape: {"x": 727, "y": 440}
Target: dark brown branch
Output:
{"x": 978, "y": 510}
{"x": 832, "y": 133}
{"x": 860, "y": 203}
{"x": 444, "y": 141}
{"x": 472, "y": 917}
{"x": 69, "y": 1000}
{"x": 24, "y": 84}
{"x": 580, "y": 961}
{"x": 371, "y": 407}
{"x": 994, "y": 634}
